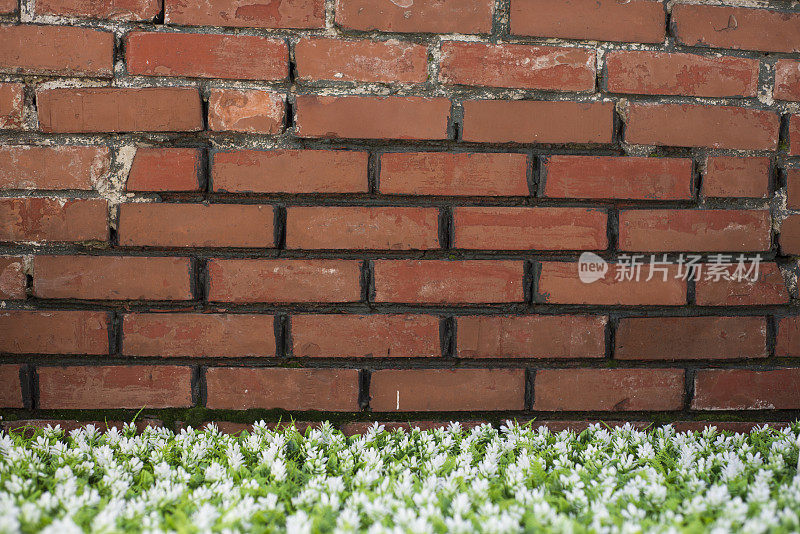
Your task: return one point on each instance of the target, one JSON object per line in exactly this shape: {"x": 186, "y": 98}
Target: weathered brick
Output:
{"x": 701, "y": 338}
{"x": 9, "y": 6}
{"x": 452, "y": 390}
{"x": 53, "y": 167}
{"x": 59, "y": 50}
{"x": 743, "y": 389}
{"x": 441, "y": 173}
{"x": 365, "y": 336}
{"x": 768, "y": 287}
{"x": 616, "y": 390}
{"x": 362, "y": 228}
{"x": 731, "y": 176}
{"x": 53, "y": 220}
{"x": 122, "y": 10}
{"x": 793, "y": 189}
{"x": 196, "y": 225}
{"x": 54, "y": 332}
{"x": 790, "y": 235}
{"x": 524, "y": 66}
{"x": 266, "y": 280}
{"x": 533, "y": 336}
{"x": 530, "y": 121}
{"x": 164, "y": 169}
{"x": 196, "y": 334}
{"x": 12, "y": 278}
{"x": 205, "y": 55}
{"x": 451, "y": 282}
{"x": 247, "y": 13}
{"x": 246, "y": 110}
{"x": 787, "y": 342}
{"x": 12, "y": 105}
{"x": 616, "y": 177}
{"x": 111, "y": 278}
{"x": 787, "y": 79}
{"x": 239, "y": 388}
{"x": 429, "y": 16}
{"x": 11, "y": 386}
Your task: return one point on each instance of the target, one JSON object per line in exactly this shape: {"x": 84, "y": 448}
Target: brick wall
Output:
{"x": 374, "y": 210}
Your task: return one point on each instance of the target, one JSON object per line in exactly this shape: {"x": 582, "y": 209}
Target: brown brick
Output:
{"x": 362, "y": 61}
{"x": 768, "y": 288}
{"x": 196, "y": 225}
{"x": 247, "y": 13}
{"x": 510, "y": 65}
{"x": 290, "y": 171}
{"x": 662, "y": 73}
{"x": 11, "y": 386}
{"x": 59, "y": 50}
{"x": 787, "y": 80}
{"x": 289, "y": 389}
{"x": 616, "y": 390}
{"x": 52, "y": 220}
{"x": 451, "y": 390}
{"x": 441, "y": 173}
{"x": 206, "y": 55}
{"x": 616, "y": 177}
{"x": 54, "y": 332}
{"x": 702, "y": 126}
{"x": 12, "y": 105}
{"x": 692, "y": 230}
{"x": 122, "y": 10}
{"x": 731, "y": 176}
{"x": 111, "y": 278}
{"x": 788, "y": 337}
{"x": 428, "y": 16}
{"x": 9, "y": 6}
{"x": 365, "y": 336}
{"x": 450, "y": 282}
{"x": 741, "y": 389}
{"x": 102, "y": 387}
{"x": 362, "y": 228}
{"x": 247, "y": 110}
{"x": 490, "y": 228}
{"x": 266, "y": 280}
{"x": 790, "y": 235}
{"x": 700, "y": 338}
{"x": 12, "y": 278}
{"x": 793, "y": 189}
{"x": 559, "y": 283}
{"x": 530, "y": 121}
{"x": 115, "y": 109}
{"x": 53, "y": 167}
{"x": 198, "y": 334}
{"x": 638, "y": 21}
{"x": 164, "y": 169}
{"x": 533, "y": 336}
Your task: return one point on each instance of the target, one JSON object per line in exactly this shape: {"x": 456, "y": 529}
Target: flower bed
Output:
{"x": 447, "y": 480}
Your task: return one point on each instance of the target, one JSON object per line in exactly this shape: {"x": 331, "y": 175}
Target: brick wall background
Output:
{"x": 373, "y": 209}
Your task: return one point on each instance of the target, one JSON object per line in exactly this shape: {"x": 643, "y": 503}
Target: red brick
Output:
{"x": 702, "y": 126}
{"x": 53, "y": 167}
{"x": 98, "y": 387}
{"x": 428, "y": 16}
{"x": 365, "y": 336}
{"x": 661, "y": 73}
{"x": 372, "y": 117}
{"x": 9, "y": 6}
{"x": 51, "y": 220}
{"x": 692, "y": 230}
{"x": 247, "y": 110}
{"x": 524, "y": 66}
{"x": 769, "y": 288}
{"x": 116, "y": 109}
{"x": 11, "y": 386}
{"x": 534, "y": 336}
{"x": 266, "y": 280}
{"x": 793, "y": 189}
{"x": 12, "y": 278}
{"x": 731, "y": 176}
{"x": 448, "y": 282}
{"x": 12, "y": 105}
{"x": 206, "y": 55}
{"x": 59, "y": 50}
{"x": 362, "y": 228}
{"x": 559, "y": 283}
{"x": 122, "y": 10}
{"x": 787, "y": 80}
{"x": 164, "y": 169}
{"x": 616, "y": 390}
{"x": 788, "y": 338}
{"x": 530, "y": 121}
{"x": 198, "y": 334}
{"x": 247, "y": 13}
{"x": 111, "y": 278}
{"x": 739, "y": 28}
{"x": 638, "y": 21}
{"x": 54, "y": 332}
{"x": 239, "y": 388}
{"x": 364, "y": 61}
{"x": 617, "y": 177}
{"x": 790, "y": 235}
{"x": 452, "y": 390}
{"x": 441, "y": 173}
{"x": 794, "y": 135}
{"x": 700, "y": 338}
{"x": 741, "y": 389}
{"x": 490, "y": 228}
{"x": 290, "y": 171}
{"x": 196, "y": 225}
